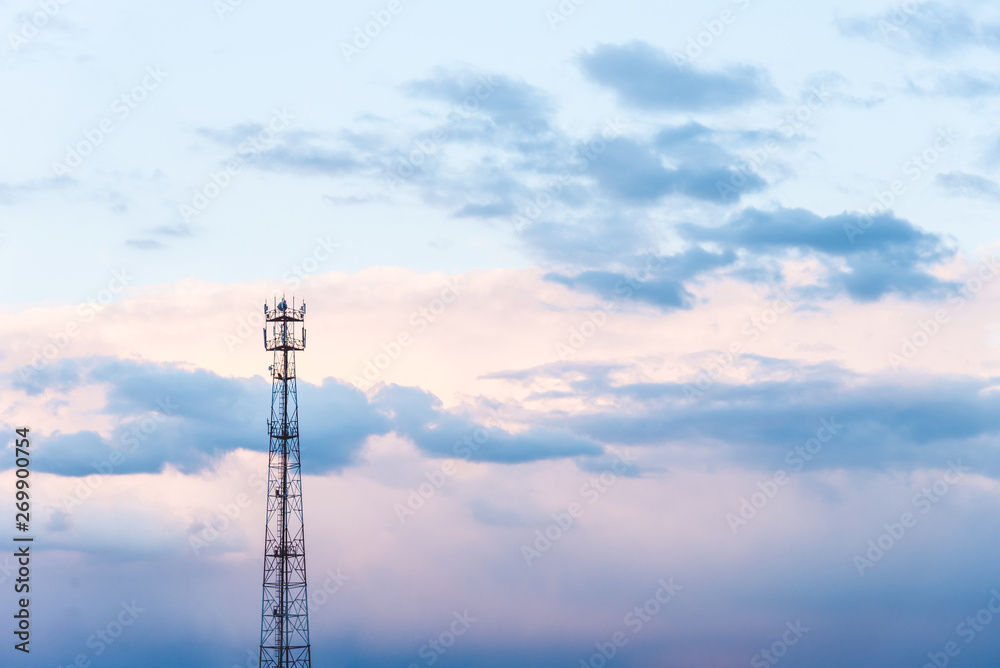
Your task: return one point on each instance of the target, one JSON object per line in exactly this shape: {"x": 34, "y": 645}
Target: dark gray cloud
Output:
{"x": 645, "y": 77}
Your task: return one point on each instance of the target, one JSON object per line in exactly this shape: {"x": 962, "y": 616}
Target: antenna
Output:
{"x": 284, "y": 624}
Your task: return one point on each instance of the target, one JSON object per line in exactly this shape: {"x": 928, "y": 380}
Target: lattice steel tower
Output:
{"x": 284, "y": 624}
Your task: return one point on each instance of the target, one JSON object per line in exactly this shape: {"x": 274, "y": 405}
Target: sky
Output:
{"x": 649, "y": 335}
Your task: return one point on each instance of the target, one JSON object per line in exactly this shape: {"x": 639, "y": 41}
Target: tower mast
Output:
{"x": 284, "y": 625}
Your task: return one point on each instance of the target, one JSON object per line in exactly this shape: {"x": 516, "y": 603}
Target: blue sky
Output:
{"x": 605, "y": 301}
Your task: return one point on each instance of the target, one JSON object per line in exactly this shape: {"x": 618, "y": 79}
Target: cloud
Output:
{"x": 418, "y": 416}
{"x": 473, "y": 158}
{"x": 645, "y": 77}
{"x": 931, "y": 29}
{"x": 58, "y": 377}
{"x": 11, "y": 193}
{"x": 960, "y": 84}
{"x": 494, "y": 152}
{"x": 798, "y": 228}
{"x": 629, "y": 170}
{"x": 491, "y": 210}
{"x": 165, "y": 415}
{"x": 961, "y": 184}
{"x": 660, "y": 283}
{"x": 173, "y": 230}
{"x": 291, "y": 150}
{"x": 886, "y": 420}
{"x": 510, "y": 104}
{"x": 699, "y": 145}
{"x": 296, "y": 155}
{"x": 888, "y": 256}
{"x": 588, "y": 240}
{"x": 233, "y": 135}
{"x": 144, "y": 244}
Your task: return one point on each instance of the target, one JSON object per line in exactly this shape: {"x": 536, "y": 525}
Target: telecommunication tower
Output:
{"x": 284, "y": 625}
